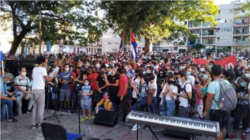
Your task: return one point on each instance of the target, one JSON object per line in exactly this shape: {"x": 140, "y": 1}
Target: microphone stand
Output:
{"x": 54, "y": 107}
{"x": 79, "y": 108}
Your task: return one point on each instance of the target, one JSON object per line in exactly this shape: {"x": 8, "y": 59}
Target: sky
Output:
{"x": 217, "y": 2}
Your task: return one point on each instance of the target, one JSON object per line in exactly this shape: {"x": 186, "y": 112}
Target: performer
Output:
{"x": 39, "y": 74}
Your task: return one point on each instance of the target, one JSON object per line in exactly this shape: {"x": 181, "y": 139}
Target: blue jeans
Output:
{"x": 9, "y": 103}
{"x": 19, "y": 103}
{"x": 170, "y": 107}
{"x": 153, "y": 107}
{"x": 140, "y": 105}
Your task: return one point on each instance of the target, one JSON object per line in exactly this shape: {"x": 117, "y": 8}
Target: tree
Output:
{"x": 58, "y": 18}
{"x": 198, "y": 46}
{"x": 246, "y": 7}
{"x": 155, "y": 20}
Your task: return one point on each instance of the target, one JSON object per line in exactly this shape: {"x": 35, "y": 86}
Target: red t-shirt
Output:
{"x": 92, "y": 80}
{"x": 122, "y": 82}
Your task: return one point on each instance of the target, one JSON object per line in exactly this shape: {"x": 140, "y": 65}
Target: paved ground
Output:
{"x": 21, "y": 130}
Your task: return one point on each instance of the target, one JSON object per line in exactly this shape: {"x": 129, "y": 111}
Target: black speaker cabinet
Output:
{"x": 12, "y": 66}
{"x": 108, "y": 118}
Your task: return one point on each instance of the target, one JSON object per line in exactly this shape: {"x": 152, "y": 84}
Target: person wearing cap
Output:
{"x": 5, "y": 99}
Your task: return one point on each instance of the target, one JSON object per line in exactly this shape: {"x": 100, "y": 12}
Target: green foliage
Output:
{"x": 198, "y": 46}
{"x": 246, "y": 7}
{"x": 74, "y": 19}
{"x": 154, "y": 20}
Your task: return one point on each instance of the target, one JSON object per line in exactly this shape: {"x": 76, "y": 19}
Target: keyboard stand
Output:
{"x": 151, "y": 130}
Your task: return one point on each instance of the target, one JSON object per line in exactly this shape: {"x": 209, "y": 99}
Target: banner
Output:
{"x": 201, "y": 61}
{"x": 229, "y": 62}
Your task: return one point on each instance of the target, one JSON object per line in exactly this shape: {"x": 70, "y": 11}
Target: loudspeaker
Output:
{"x": 177, "y": 134}
{"x": 108, "y": 118}
{"x": 28, "y": 63}
{"x": 12, "y": 66}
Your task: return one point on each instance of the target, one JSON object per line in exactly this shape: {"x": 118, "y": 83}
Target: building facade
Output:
{"x": 232, "y": 30}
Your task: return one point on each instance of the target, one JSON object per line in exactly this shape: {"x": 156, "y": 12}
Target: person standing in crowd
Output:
{"x": 113, "y": 83}
{"x": 123, "y": 91}
{"x": 198, "y": 95}
{"x": 5, "y": 99}
{"x": 185, "y": 93}
{"x": 65, "y": 78}
{"x": 242, "y": 109}
{"x": 135, "y": 81}
{"x": 39, "y": 74}
{"x": 168, "y": 94}
{"x": 92, "y": 77}
{"x": 86, "y": 101}
{"x": 152, "y": 93}
{"x": 101, "y": 84}
{"x": 213, "y": 94}
{"x": 190, "y": 77}
{"x": 22, "y": 88}
{"x": 141, "y": 96}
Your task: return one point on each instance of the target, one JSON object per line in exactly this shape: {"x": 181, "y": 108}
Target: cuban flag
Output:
{"x": 133, "y": 46}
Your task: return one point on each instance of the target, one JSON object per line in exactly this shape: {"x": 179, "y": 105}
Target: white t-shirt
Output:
{"x": 191, "y": 79}
{"x": 38, "y": 78}
{"x": 137, "y": 82}
{"x": 152, "y": 86}
{"x": 248, "y": 87}
{"x": 184, "y": 101}
{"x": 173, "y": 89}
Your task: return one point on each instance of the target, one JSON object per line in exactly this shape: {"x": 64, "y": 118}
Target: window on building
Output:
{"x": 109, "y": 43}
{"x": 218, "y": 38}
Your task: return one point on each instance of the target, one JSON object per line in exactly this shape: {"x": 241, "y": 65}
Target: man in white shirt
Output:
{"x": 190, "y": 77}
{"x": 152, "y": 95}
{"x": 186, "y": 93}
{"x": 39, "y": 77}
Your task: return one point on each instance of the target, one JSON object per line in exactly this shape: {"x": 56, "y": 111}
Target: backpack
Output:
{"x": 191, "y": 101}
{"x": 115, "y": 108}
{"x": 227, "y": 100}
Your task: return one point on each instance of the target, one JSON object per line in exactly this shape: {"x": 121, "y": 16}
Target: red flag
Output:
{"x": 228, "y": 62}
{"x": 201, "y": 61}
{"x": 120, "y": 48}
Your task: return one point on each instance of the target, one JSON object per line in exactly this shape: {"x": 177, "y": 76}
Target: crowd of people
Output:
{"x": 161, "y": 83}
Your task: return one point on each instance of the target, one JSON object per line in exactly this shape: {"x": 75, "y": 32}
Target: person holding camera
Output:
{"x": 5, "y": 99}
{"x": 22, "y": 88}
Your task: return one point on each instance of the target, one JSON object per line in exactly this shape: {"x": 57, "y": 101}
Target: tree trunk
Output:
{"x": 148, "y": 45}
{"x": 17, "y": 40}
{"x": 22, "y": 50}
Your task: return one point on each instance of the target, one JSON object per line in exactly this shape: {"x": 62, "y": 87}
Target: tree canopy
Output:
{"x": 155, "y": 20}
{"x": 59, "y": 19}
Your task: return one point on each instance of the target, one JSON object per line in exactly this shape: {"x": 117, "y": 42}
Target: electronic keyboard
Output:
{"x": 188, "y": 125}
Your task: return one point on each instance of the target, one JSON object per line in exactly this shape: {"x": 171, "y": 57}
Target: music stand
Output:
{"x": 54, "y": 103}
